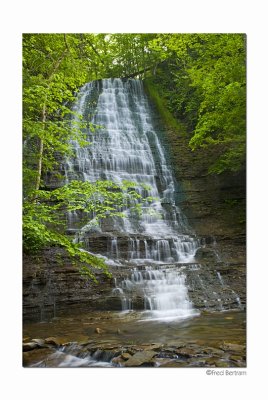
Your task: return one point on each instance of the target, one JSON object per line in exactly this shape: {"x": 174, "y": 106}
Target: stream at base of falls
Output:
{"x": 120, "y": 339}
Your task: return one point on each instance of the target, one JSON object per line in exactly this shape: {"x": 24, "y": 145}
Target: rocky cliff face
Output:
{"x": 53, "y": 286}
{"x": 215, "y": 206}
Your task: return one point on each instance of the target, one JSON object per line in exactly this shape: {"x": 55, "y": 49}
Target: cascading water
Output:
{"x": 122, "y": 150}
{"x": 164, "y": 293}
{"x": 126, "y": 148}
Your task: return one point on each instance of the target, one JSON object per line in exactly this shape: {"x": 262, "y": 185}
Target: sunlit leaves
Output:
{"x": 44, "y": 220}
{"x": 207, "y": 90}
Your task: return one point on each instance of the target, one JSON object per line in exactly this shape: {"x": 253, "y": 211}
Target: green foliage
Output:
{"x": 37, "y": 235}
{"x": 52, "y": 73}
{"x": 44, "y": 219}
{"x": 161, "y": 104}
{"x": 130, "y": 54}
{"x": 203, "y": 79}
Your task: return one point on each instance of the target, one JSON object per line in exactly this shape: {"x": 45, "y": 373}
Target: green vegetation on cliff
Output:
{"x": 202, "y": 78}
{"x": 161, "y": 104}
{"x": 44, "y": 219}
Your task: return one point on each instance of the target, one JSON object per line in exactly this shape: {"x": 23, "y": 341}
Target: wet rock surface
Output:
{"x": 53, "y": 286}
{"x": 52, "y": 289}
{"x": 212, "y": 340}
{"x": 36, "y": 356}
{"x": 128, "y": 356}
{"x": 215, "y": 207}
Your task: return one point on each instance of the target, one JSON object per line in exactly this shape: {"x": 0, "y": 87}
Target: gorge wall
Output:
{"x": 215, "y": 205}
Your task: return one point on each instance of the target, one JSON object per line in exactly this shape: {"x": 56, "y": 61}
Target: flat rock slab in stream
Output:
{"x": 211, "y": 361}
{"x": 187, "y": 352}
{"x": 173, "y": 364}
{"x": 213, "y": 351}
{"x": 37, "y": 355}
{"x": 118, "y": 361}
{"x": 222, "y": 364}
{"x": 236, "y": 358}
{"x": 54, "y": 341}
{"x": 141, "y": 358}
{"x": 29, "y": 346}
{"x": 54, "y": 360}
{"x": 237, "y": 348}
{"x": 126, "y": 356}
{"x": 154, "y": 346}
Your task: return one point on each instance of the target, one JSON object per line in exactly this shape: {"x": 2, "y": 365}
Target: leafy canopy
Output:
{"x": 207, "y": 90}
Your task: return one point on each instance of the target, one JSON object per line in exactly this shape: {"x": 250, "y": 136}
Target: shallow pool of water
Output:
{"x": 137, "y": 328}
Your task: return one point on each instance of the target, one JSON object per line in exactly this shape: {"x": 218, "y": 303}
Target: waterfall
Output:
{"x": 126, "y": 147}
{"x": 163, "y": 290}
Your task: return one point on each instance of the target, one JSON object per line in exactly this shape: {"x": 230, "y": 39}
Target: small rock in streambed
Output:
{"x": 234, "y": 357}
{"x": 159, "y": 361}
{"x": 212, "y": 360}
{"x": 126, "y": 356}
{"x": 40, "y": 342}
{"x": 212, "y": 351}
{"x": 173, "y": 364}
{"x": 198, "y": 362}
{"x": 35, "y": 356}
{"x": 54, "y": 341}
{"x": 29, "y": 346}
{"x": 155, "y": 346}
{"x": 222, "y": 364}
{"x": 65, "y": 344}
{"x": 187, "y": 352}
{"x": 233, "y": 347}
{"x": 99, "y": 330}
{"x": 240, "y": 364}
{"x": 118, "y": 360}
{"x": 140, "y": 358}
{"x": 84, "y": 343}
{"x": 132, "y": 351}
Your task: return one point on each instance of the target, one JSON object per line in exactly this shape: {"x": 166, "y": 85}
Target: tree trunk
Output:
{"x": 137, "y": 73}
{"x": 43, "y": 117}
{"x": 41, "y": 150}
{"x": 150, "y": 68}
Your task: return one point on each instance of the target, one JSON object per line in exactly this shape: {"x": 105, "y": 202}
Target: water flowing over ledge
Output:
{"x": 126, "y": 147}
